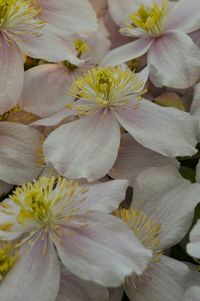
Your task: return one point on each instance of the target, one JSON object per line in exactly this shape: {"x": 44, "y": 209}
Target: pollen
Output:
{"x": 150, "y": 19}
{"x": 81, "y": 46}
{"x": 6, "y": 115}
{"x": 8, "y": 257}
{"x": 105, "y": 87}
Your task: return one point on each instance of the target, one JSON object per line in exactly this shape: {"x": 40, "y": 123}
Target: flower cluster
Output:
{"x": 99, "y": 150}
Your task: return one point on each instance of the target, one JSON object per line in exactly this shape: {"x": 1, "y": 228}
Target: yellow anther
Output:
{"x": 81, "y": 46}
{"x": 8, "y": 257}
{"x": 150, "y": 19}
{"x": 6, "y": 115}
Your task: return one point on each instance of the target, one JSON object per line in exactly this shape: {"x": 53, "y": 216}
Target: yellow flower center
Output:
{"x": 8, "y": 257}
{"x": 81, "y": 47}
{"x": 18, "y": 17}
{"x": 105, "y": 87}
{"x": 150, "y": 19}
{"x": 6, "y": 115}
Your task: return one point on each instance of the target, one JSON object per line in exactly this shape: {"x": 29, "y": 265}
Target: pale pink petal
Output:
{"x": 73, "y": 288}
{"x": 85, "y": 148}
{"x": 105, "y": 197}
{"x": 167, "y": 131}
{"x": 121, "y": 9}
{"x": 127, "y": 52}
{"x": 99, "y": 6}
{"x": 19, "y": 153}
{"x": 35, "y": 276}
{"x": 45, "y": 90}
{"x": 133, "y": 158}
{"x": 11, "y": 74}
{"x": 184, "y": 16}
{"x": 63, "y": 16}
{"x": 193, "y": 248}
{"x": 195, "y": 36}
{"x": 104, "y": 250}
{"x": 175, "y": 61}
{"x": 166, "y": 282}
{"x": 167, "y": 199}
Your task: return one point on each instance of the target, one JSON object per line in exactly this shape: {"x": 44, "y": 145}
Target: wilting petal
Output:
{"x": 175, "y": 61}
{"x": 104, "y": 250}
{"x": 165, "y": 283}
{"x": 73, "y": 288}
{"x": 20, "y": 156}
{"x": 133, "y": 158}
{"x": 106, "y": 196}
{"x": 167, "y": 131}
{"x": 85, "y": 148}
{"x": 193, "y": 248}
{"x": 184, "y": 16}
{"x": 69, "y": 16}
{"x": 45, "y": 90}
{"x": 11, "y": 74}
{"x": 35, "y": 276}
{"x": 168, "y": 200}
{"x": 127, "y": 52}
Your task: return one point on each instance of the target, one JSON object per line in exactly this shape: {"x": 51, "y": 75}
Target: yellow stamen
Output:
{"x": 8, "y": 257}
{"x": 81, "y": 46}
{"x": 150, "y": 19}
{"x": 6, "y": 115}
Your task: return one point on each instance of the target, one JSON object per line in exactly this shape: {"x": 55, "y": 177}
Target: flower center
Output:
{"x": 18, "y": 17}
{"x": 81, "y": 47}
{"x": 6, "y": 115}
{"x": 105, "y": 87}
{"x": 150, "y": 19}
{"x": 8, "y": 257}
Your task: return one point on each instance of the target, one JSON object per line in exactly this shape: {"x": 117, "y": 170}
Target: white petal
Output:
{"x": 193, "y": 248}
{"x": 85, "y": 148}
{"x": 167, "y": 131}
{"x": 166, "y": 282}
{"x": 127, "y": 52}
{"x": 133, "y": 158}
{"x": 175, "y": 61}
{"x": 73, "y": 288}
{"x": 35, "y": 276}
{"x": 120, "y": 10}
{"x": 168, "y": 200}
{"x": 11, "y": 74}
{"x": 45, "y": 90}
{"x": 104, "y": 250}
{"x": 192, "y": 294}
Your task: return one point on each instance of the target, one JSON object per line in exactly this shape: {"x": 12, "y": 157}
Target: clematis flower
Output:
{"x": 108, "y": 98}
{"x": 37, "y": 28}
{"x": 161, "y": 213}
{"x": 91, "y": 243}
{"x": 193, "y": 248}
{"x": 162, "y": 31}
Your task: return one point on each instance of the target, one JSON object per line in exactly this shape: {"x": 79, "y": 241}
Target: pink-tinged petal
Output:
{"x": 63, "y": 16}
{"x": 104, "y": 250}
{"x": 85, "y": 148}
{"x": 55, "y": 118}
{"x": 167, "y": 199}
{"x": 49, "y": 47}
{"x": 167, "y": 131}
{"x": 45, "y": 90}
{"x": 166, "y": 282}
{"x": 19, "y": 153}
{"x": 133, "y": 158}
{"x": 127, "y": 52}
{"x": 105, "y": 197}
{"x": 11, "y": 74}
{"x": 121, "y": 9}
{"x": 35, "y": 276}
{"x": 175, "y": 61}
{"x": 195, "y": 36}
{"x": 184, "y": 16}
{"x": 193, "y": 248}
{"x": 73, "y": 288}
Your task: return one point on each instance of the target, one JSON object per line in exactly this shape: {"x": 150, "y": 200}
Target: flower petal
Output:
{"x": 73, "y": 288}
{"x": 11, "y": 74}
{"x": 168, "y": 200}
{"x": 127, "y": 52}
{"x": 174, "y": 60}
{"x": 193, "y": 248}
{"x": 120, "y": 10}
{"x": 166, "y": 282}
{"x": 183, "y": 16}
{"x": 192, "y": 294}
{"x": 45, "y": 90}
{"x": 35, "y": 276}
{"x": 85, "y": 148}
{"x": 167, "y": 131}
{"x": 133, "y": 158}
{"x": 104, "y": 251}
{"x": 19, "y": 153}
